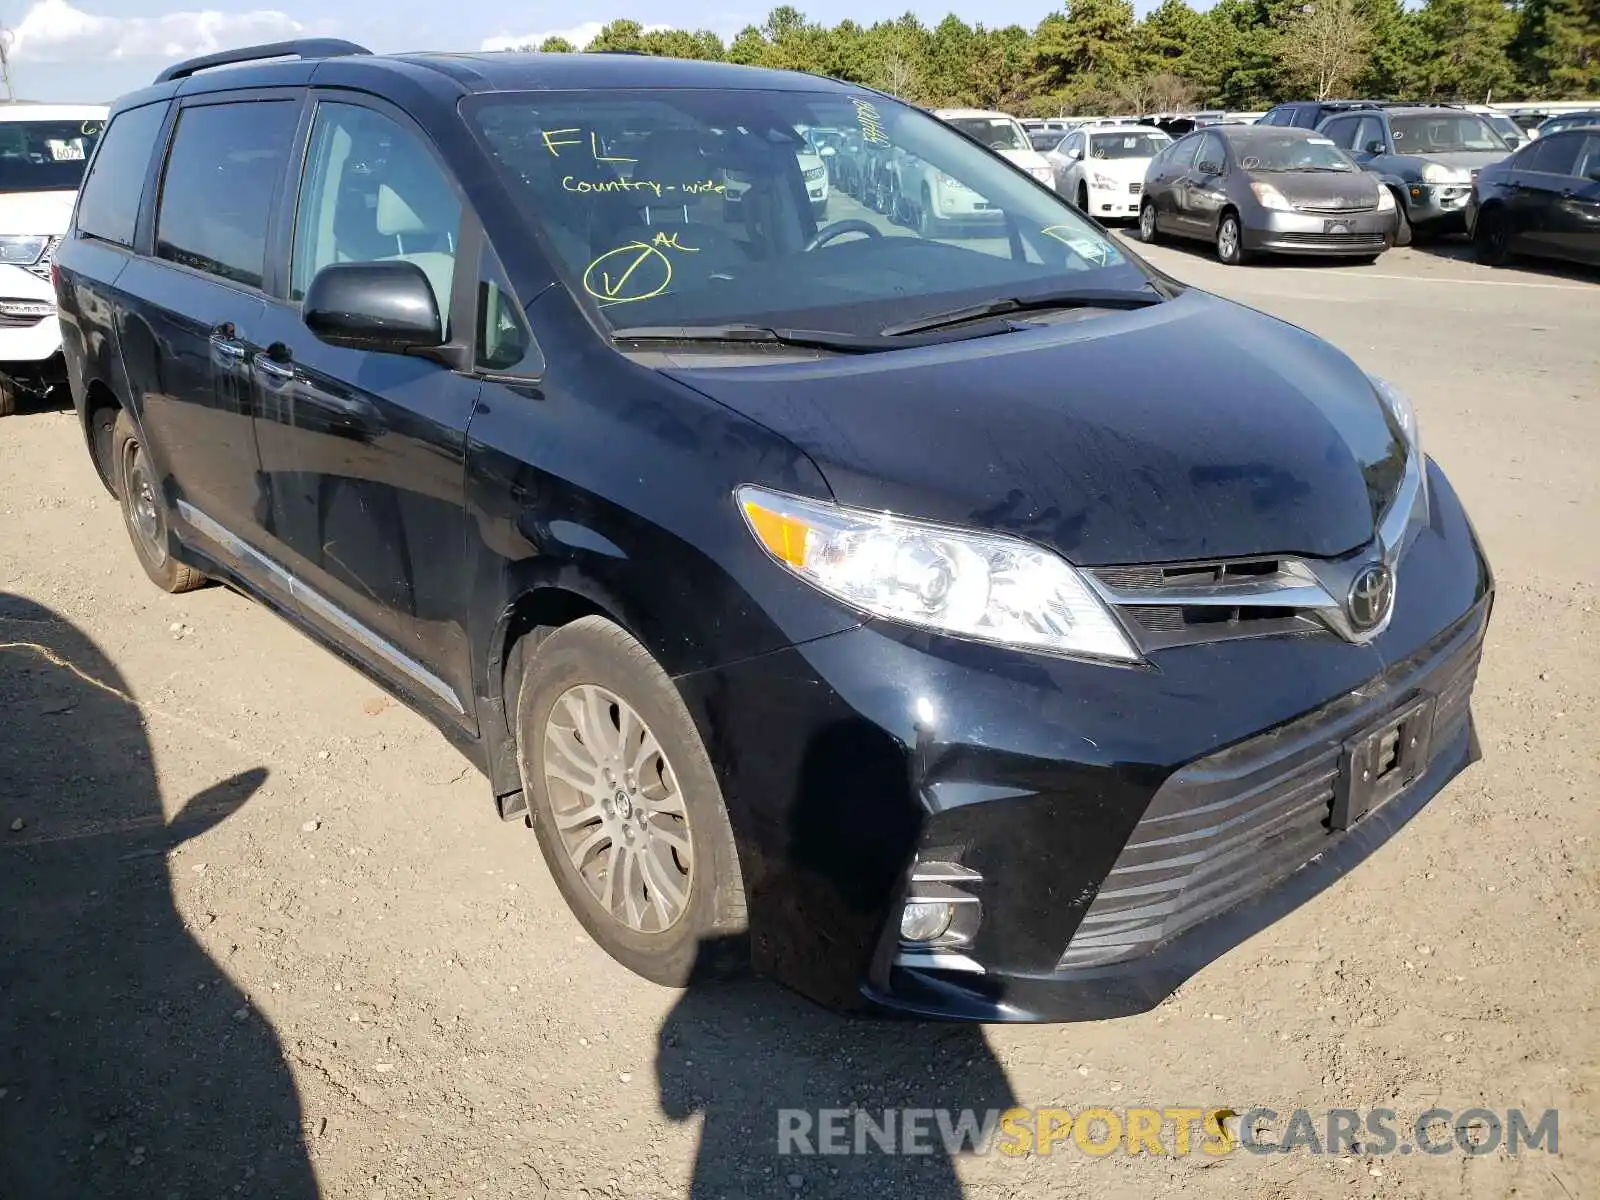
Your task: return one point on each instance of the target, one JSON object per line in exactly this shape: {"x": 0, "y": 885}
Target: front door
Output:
{"x": 362, "y": 454}
{"x": 1542, "y": 173}
{"x": 1575, "y": 216}
{"x": 1205, "y": 193}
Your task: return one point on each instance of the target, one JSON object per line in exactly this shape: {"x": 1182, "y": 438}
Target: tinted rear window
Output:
{"x": 216, "y": 197}
{"x": 109, "y": 206}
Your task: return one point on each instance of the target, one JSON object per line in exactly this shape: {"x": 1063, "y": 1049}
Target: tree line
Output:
{"x": 1242, "y": 55}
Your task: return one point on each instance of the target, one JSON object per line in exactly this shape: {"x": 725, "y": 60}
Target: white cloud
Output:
{"x": 579, "y": 35}
{"x": 54, "y": 31}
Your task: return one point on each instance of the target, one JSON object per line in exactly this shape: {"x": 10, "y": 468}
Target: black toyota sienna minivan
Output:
{"x": 954, "y": 617}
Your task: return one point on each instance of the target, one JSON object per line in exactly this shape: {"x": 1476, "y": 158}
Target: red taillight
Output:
{"x": 55, "y": 277}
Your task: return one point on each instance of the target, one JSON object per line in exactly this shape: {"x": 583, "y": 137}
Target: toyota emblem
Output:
{"x": 1371, "y": 594}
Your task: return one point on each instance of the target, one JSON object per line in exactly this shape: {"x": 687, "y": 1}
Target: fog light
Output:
{"x": 923, "y": 922}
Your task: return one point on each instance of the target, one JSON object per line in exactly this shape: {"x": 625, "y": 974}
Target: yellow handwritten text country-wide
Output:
{"x": 587, "y": 187}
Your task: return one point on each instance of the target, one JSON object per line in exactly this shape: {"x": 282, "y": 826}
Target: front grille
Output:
{"x": 1337, "y": 210}
{"x": 1232, "y": 824}
{"x": 1373, "y": 240}
{"x": 1221, "y": 600}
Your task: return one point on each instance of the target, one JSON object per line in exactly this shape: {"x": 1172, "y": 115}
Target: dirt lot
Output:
{"x": 263, "y": 935}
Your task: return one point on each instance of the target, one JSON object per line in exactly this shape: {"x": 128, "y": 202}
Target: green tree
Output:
{"x": 1394, "y": 53}
{"x": 749, "y": 48}
{"x": 1467, "y": 43}
{"x": 1556, "y": 49}
{"x": 1092, "y": 40}
{"x": 1323, "y": 47}
{"x": 619, "y": 35}
{"x": 557, "y": 45}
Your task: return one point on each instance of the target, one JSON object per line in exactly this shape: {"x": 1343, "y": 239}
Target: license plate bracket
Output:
{"x": 1382, "y": 762}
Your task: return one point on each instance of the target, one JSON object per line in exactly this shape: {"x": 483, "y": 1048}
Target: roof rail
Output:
{"x": 300, "y": 48}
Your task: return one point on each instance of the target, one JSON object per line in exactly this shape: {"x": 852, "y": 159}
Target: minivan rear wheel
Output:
{"x": 627, "y": 809}
{"x": 144, "y": 511}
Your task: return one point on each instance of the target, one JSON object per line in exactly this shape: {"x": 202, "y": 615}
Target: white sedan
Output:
{"x": 1101, "y": 169}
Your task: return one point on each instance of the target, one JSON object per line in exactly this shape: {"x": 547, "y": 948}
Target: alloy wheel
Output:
{"x": 1228, "y": 240}
{"x": 617, "y": 808}
{"x": 1147, "y": 223}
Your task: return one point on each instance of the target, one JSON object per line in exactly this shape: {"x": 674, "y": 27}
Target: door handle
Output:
{"x": 279, "y": 372}
{"x": 225, "y": 342}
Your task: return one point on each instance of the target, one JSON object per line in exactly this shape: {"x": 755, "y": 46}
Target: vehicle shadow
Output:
{"x": 130, "y": 1066}
{"x": 773, "y": 1076}
{"x": 1460, "y": 249}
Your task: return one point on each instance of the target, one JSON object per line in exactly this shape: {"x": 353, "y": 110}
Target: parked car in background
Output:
{"x": 43, "y": 151}
{"x": 1425, "y": 155}
{"x": 1254, "y": 188}
{"x": 1044, "y": 140}
{"x": 1569, "y": 120}
{"x": 1542, "y": 201}
{"x": 1510, "y": 132}
{"x": 988, "y": 633}
{"x": 1308, "y": 114}
{"x": 813, "y": 173}
{"x": 1002, "y": 134}
{"x": 1101, "y": 170}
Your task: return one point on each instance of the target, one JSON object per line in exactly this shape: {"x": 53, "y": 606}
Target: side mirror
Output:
{"x": 1074, "y": 154}
{"x": 1375, "y": 146}
{"x": 827, "y": 152}
{"x": 382, "y": 307}
{"x": 1210, "y": 168}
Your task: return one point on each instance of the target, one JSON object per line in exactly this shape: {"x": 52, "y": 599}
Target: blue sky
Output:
{"x": 93, "y": 50}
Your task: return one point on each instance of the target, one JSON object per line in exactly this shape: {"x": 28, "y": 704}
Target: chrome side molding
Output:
{"x": 316, "y": 602}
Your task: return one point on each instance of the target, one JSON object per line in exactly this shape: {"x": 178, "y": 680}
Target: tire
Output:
{"x": 1083, "y": 199}
{"x": 8, "y": 397}
{"x": 582, "y": 674}
{"x": 928, "y": 225}
{"x": 1230, "y": 240}
{"x": 1147, "y": 223}
{"x": 144, "y": 512}
{"x": 1491, "y": 238}
{"x": 1403, "y": 233}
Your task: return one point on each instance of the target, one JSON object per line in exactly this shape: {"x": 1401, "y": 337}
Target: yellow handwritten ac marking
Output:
{"x": 870, "y": 122}
{"x": 642, "y": 272}
{"x": 670, "y": 241}
{"x": 553, "y": 139}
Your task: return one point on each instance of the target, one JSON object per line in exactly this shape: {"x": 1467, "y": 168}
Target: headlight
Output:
{"x": 1385, "y": 199}
{"x": 1270, "y": 197}
{"x": 1103, "y": 181}
{"x": 22, "y": 250}
{"x": 1043, "y": 174}
{"x": 984, "y": 586}
{"x": 1436, "y": 173}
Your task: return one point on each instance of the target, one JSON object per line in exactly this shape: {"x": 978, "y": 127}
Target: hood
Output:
{"x": 1464, "y": 160}
{"x": 1192, "y": 429}
{"x": 1028, "y": 160}
{"x": 36, "y": 212}
{"x": 1123, "y": 170}
{"x": 1323, "y": 189}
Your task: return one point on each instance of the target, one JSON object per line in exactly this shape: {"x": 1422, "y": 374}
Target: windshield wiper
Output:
{"x": 1080, "y": 298}
{"x": 821, "y": 339}
{"x": 1334, "y": 170}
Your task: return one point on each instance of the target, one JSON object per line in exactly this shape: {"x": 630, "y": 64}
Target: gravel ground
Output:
{"x": 261, "y": 933}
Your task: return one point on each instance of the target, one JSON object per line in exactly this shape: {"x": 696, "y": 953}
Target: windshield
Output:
{"x": 1443, "y": 134}
{"x": 45, "y": 156}
{"x": 682, "y": 207}
{"x": 1569, "y": 121}
{"x": 997, "y": 133}
{"x": 1127, "y": 145}
{"x": 1045, "y": 139}
{"x": 1504, "y": 126}
{"x": 1290, "y": 152}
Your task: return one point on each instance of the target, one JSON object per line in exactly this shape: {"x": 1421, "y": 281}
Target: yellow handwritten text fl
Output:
{"x": 870, "y": 122}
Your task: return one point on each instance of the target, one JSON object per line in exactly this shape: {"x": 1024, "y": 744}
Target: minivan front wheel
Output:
{"x": 626, "y": 806}
{"x": 144, "y": 512}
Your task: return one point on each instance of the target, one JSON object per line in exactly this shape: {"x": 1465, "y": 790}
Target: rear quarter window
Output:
{"x": 108, "y": 207}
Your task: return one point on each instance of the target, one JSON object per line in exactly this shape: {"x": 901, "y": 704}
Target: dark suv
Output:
{"x": 1427, "y": 155}
{"x": 983, "y": 626}
{"x": 1308, "y": 114}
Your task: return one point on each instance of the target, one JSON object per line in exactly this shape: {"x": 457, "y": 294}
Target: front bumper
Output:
{"x": 1358, "y": 233}
{"x": 1115, "y": 203}
{"x": 1438, "y": 206}
{"x": 845, "y": 760}
{"x": 28, "y": 341}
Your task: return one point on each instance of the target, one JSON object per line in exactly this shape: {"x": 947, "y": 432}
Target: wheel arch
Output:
{"x": 100, "y": 408}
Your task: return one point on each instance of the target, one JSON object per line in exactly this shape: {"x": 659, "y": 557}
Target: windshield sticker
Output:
{"x": 634, "y": 271}
{"x": 1089, "y": 248}
{"x": 870, "y": 121}
{"x": 1320, "y": 141}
